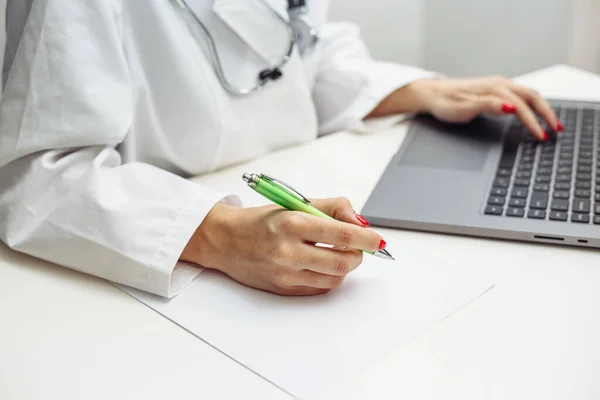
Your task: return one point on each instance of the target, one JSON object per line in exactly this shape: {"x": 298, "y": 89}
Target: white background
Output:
{"x": 477, "y": 37}
{"x": 2, "y": 6}
{"x": 473, "y": 37}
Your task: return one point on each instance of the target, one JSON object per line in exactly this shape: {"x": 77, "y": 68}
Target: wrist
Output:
{"x": 411, "y": 98}
{"x": 204, "y": 245}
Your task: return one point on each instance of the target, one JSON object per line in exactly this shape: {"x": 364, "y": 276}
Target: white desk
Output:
{"x": 536, "y": 335}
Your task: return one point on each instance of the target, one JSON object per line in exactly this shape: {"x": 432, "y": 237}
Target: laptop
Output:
{"x": 490, "y": 178}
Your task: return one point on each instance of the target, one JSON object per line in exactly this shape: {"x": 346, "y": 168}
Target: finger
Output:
{"x": 300, "y": 291}
{"x": 540, "y": 105}
{"x": 490, "y": 104}
{"x": 523, "y": 112}
{"x": 335, "y": 233}
{"x": 319, "y": 281}
{"x": 340, "y": 209}
{"x": 329, "y": 261}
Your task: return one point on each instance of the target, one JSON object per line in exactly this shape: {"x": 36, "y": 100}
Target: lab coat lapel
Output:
{"x": 255, "y": 24}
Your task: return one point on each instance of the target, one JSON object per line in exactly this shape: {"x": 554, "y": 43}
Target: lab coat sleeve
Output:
{"x": 65, "y": 196}
{"x": 349, "y": 84}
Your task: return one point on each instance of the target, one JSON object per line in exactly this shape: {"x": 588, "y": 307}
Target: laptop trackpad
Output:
{"x": 462, "y": 147}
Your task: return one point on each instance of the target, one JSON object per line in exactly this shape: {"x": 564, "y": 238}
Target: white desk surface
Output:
{"x": 536, "y": 335}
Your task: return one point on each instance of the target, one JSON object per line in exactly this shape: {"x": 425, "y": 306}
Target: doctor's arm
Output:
{"x": 351, "y": 87}
{"x": 65, "y": 195}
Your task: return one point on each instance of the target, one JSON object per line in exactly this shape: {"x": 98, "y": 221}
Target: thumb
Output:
{"x": 341, "y": 209}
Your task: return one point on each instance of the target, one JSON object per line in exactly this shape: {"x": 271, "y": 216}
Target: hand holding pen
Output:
{"x": 273, "y": 249}
{"x": 286, "y": 196}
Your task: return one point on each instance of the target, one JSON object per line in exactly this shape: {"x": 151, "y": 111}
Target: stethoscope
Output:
{"x": 300, "y": 33}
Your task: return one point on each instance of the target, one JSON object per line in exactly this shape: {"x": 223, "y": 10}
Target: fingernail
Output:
{"x": 545, "y": 136}
{"x": 559, "y": 127}
{"x": 508, "y": 108}
{"x": 362, "y": 220}
{"x": 382, "y": 245}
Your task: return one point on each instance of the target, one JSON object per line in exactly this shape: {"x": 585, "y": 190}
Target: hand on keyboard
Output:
{"x": 557, "y": 181}
{"x": 461, "y": 100}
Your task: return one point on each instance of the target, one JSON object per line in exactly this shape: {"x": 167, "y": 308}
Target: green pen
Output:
{"x": 287, "y": 197}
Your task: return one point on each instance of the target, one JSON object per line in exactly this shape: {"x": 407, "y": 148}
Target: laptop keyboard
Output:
{"x": 557, "y": 180}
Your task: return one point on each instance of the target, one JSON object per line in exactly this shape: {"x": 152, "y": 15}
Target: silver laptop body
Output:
{"x": 449, "y": 178}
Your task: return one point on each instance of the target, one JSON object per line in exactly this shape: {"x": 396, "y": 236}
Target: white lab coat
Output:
{"x": 111, "y": 103}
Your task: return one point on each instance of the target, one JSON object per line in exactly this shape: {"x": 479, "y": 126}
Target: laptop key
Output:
{"x": 583, "y": 169}
{"x": 584, "y": 177}
{"x": 493, "y": 210}
{"x": 516, "y": 202}
{"x": 499, "y": 192}
{"x": 526, "y": 159}
{"x": 565, "y": 170}
{"x": 536, "y": 214}
{"x": 560, "y": 205}
{"x": 523, "y": 175}
{"x": 522, "y": 182}
{"x": 584, "y": 161}
{"x": 561, "y": 195}
{"x": 497, "y": 201}
{"x": 597, "y": 219}
{"x": 597, "y": 197}
{"x": 503, "y": 172}
{"x": 520, "y": 193}
{"x": 597, "y": 208}
{"x": 539, "y": 200}
{"x": 581, "y": 218}
{"x": 563, "y": 178}
{"x": 562, "y": 186}
{"x": 525, "y": 167}
{"x": 508, "y": 157}
{"x": 547, "y": 171}
{"x": 515, "y": 212}
{"x": 581, "y": 206}
{"x": 501, "y": 182}
{"x": 583, "y": 185}
{"x": 541, "y": 187}
{"x": 558, "y": 215}
{"x": 542, "y": 179}
{"x": 583, "y": 193}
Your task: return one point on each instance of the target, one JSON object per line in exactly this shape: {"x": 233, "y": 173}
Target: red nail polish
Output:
{"x": 382, "y": 245}
{"x": 559, "y": 127}
{"x": 545, "y": 136}
{"x": 362, "y": 220}
{"x": 508, "y": 108}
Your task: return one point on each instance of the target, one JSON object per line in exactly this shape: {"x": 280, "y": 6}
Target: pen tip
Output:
{"x": 384, "y": 254}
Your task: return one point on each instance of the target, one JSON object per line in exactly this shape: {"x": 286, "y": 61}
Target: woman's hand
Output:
{"x": 461, "y": 100}
{"x": 273, "y": 249}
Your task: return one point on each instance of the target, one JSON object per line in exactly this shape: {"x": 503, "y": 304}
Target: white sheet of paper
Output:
{"x": 307, "y": 345}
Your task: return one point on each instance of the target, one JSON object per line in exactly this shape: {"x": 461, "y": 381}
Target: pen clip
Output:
{"x": 286, "y": 186}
